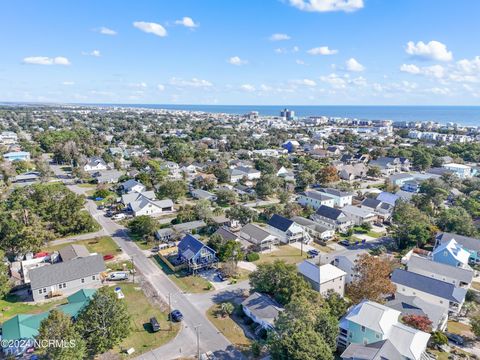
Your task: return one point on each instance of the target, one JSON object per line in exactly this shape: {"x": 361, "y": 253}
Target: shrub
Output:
{"x": 253, "y": 257}
{"x": 256, "y": 349}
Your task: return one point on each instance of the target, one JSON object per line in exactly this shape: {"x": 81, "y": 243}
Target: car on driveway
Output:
{"x": 119, "y": 216}
{"x": 176, "y": 316}
{"x": 456, "y": 339}
{"x": 345, "y": 243}
{"x": 221, "y": 277}
{"x": 312, "y": 253}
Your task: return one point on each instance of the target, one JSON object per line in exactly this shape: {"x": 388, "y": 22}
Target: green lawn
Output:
{"x": 229, "y": 328}
{"x": 142, "y": 244}
{"x": 103, "y": 245}
{"x": 187, "y": 283}
{"x": 458, "y": 328}
{"x": 10, "y": 306}
{"x": 87, "y": 185}
{"x": 141, "y": 310}
{"x": 287, "y": 253}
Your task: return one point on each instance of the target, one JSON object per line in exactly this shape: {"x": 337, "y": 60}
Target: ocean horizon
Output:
{"x": 463, "y": 115}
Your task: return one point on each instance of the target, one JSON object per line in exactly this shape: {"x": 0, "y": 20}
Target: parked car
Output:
{"x": 118, "y": 275}
{"x": 101, "y": 207}
{"x": 119, "y": 216}
{"x": 176, "y": 316}
{"x": 456, "y": 339}
{"x": 344, "y": 243}
{"x": 154, "y": 323}
{"x": 221, "y": 277}
{"x": 312, "y": 253}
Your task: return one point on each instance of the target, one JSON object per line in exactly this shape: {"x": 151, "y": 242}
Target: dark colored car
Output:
{"x": 155, "y": 325}
{"x": 344, "y": 243}
{"x": 312, "y": 253}
{"x": 456, "y": 339}
{"x": 176, "y": 316}
{"x": 221, "y": 277}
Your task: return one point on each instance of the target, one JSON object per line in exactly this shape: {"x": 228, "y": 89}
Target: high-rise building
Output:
{"x": 287, "y": 114}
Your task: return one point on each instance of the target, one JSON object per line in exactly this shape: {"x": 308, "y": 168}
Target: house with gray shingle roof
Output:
{"x": 262, "y": 309}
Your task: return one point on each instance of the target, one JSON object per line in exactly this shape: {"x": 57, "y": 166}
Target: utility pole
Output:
{"x": 170, "y": 310}
{"x": 198, "y": 341}
{"x": 301, "y": 247}
{"x": 133, "y": 269}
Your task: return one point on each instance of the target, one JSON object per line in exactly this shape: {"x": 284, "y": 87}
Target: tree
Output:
{"x": 422, "y": 159}
{"x": 59, "y": 327}
{"x": 439, "y": 338}
{"x": 411, "y": 226}
{"x": 475, "y": 324}
{"x": 372, "y": 281}
{"x": 337, "y": 304}
{"x": 222, "y": 174}
{"x": 203, "y": 210}
{"x": 292, "y": 209}
{"x": 226, "y": 308}
{"x": 304, "y": 179}
{"x": 374, "y": 171}
{"x": 105, "y": 322}
{"x": 327, "y": 175}
{"x": 143, "y": 225}
{"x": 226, "y": 197}
{"x": 266, "y": 185}
{"x": 5, "y": 284}
{"x": 231, "y": 250}
{"x": 456, "y": 220}
{"x": 242, "y": 214}
{"x": 278, "y": 279}
{"x": 420, "y": 322}
{"x": 44, "y": 169}
{"x": 172, "y": 189}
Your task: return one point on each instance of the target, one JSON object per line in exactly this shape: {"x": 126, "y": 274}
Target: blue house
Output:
{"x": 451, "y": 253}
{"x": 195, "y": 254}
{"x": 291, "y": 145}
{"x": 17, "y": 156}
{"x": 470, "y": 244}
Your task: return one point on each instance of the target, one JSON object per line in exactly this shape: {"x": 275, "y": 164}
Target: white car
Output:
{"x": 119, "y": 217}
{"x": 118, "y": 275}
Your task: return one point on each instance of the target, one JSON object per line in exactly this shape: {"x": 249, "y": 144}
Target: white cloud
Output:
{"x": 334, "y": 80}
{"x": 410, "y": 68}
{"x": 354, "y": 66}
{"x": 235, "y": 60}
{"x": 161, "y": 87}
{"x": 439, "y": 91}
{"x": 194, "y": 82}
{"x": 305, "y": 82}
{"x": 327, "y": 5}
{"x": 322, "y": 50}
{"x": 279, "y": 37}
{"x": 469, "y": 66}
{"x": 434, "y": 50}
{"x": 300, "y": 62}
{"x": 95, "y": 53}
{"x": 141, "y": 85}
{"x": 106, "y": 31}
{"x": 187, "y": 22}
{"x": 151, "y": 28}
{"x": 247, "y": 87}
{"x": 68, "y": 83}
{"x": 44, "y": 60}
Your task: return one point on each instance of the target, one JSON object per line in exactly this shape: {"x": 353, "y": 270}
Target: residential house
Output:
{"x": 382, "y": 209}
{"x": 262, "y": 309}
{"x": 190, "y": 226}
{"x": 287, "y": 230}
{"x": 203, "y": 195}
{"x": 471, "y": 244}
{"x": 400, "y": 179}
{"x": 291, "y": 145}
{"x": 369, "y": 325}
{"x": 388, "y": 198}
{"x": 346, "y": 262}
{"x": 17, "y": 156}
{"x": 145, "y": 203}
{"x": 26, "y": 178}
{"x": 341, "y": 198}
{"x": 437, "y": 292}
{"x": 461, "y": 170}
{"x": 108, "y": 176}
{"x": 73, "y": 251}
{"x": 66, "y": 277}
{"x": 226, "y": 234}
{"x": 351, "y": 172}
{"x": 195, "y": 254}
{"x": 332, "y": 218}
{"x": 457, "y": 275}
{"x": 257, "y": 236}
{"x": 20, "y": 331}
{"x": 360, "y": 215}
{"x": 323, "y": 278}
{"x": 95, "y": 164}
{"x": 241, "y": 172}
{"x": 8, "y": 138}
{"x": 133, "y": 186}
{"x": 315, "y": 230}
{"x": 451, "y": 253}
{"x": 166, "y": 235}
{"x": 414, "y": 305}
{"x": 315, "y": 199}
{"x": 389, "y": 166}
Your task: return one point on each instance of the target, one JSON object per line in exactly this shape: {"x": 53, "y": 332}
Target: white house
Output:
{"x": 315, "y": 199}
{"x": 145, "y": 203}
{"x": 257, "y": 236}
{"x": 287, "y": 230}
{"x": 346, "y": 261}
{"x": 314, "y": 229}
{"x": 95, "y": 164}
{"x": 262, "y": 309}
{"x": 332, "y": 218}
{"x": 341, "y": 198}
{"x": 131, "y": 185}
{"x": 241, "y": 172}
{"x": 323, "y": 278}
{"x": 462, "y": 171}
{"x": 359, "y": 215}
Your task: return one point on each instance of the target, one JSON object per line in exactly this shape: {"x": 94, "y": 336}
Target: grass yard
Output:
{"x": 287, "y": 253}
{"x": 102, "y": 245}
{"x": 186, "y": 283}
{"x": 141, "y": 310}
{"x": 10, "y": 306}
{"x": 142, "y": 244}
{"x": 87, "y": 185}
{"x": 476, "y": 285}
{"x": 229, "y": 328}
{"x": 323, "y": 248}
{"x": 459, "y": 328}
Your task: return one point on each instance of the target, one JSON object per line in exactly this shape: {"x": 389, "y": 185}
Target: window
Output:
{"x": 59, "y": 286}
{"x": 64, "y": 285}
{"x": 93, "y": 277}
{"x": 363, "y": 328}
{"x": 83, "y": 280}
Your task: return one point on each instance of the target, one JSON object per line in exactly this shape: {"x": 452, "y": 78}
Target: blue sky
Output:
{"x": 312, "y": 52}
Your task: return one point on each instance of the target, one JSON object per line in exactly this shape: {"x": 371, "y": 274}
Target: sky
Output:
{"x": 248, "y": 52}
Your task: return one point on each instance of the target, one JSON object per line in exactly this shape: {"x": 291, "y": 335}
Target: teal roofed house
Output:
{"x": 25, "y": 326}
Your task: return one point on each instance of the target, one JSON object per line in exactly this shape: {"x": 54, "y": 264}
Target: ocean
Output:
{"x": 463, "y": 115}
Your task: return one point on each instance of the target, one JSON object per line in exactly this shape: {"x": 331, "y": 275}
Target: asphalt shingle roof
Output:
{"x": 279, "y": 222}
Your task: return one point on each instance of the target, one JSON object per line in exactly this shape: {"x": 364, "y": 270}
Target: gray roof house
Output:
{"x": 190, "y": 226}
{"x": 332, "y": 218}
{"x": 203, "y": 195}
{"x": 66, "y": 277}
{"x": 262, "y": 309}
{"x": 435, "y": 291}
{"x": 259, "y": 237}
{"x": 73, "y": 251}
